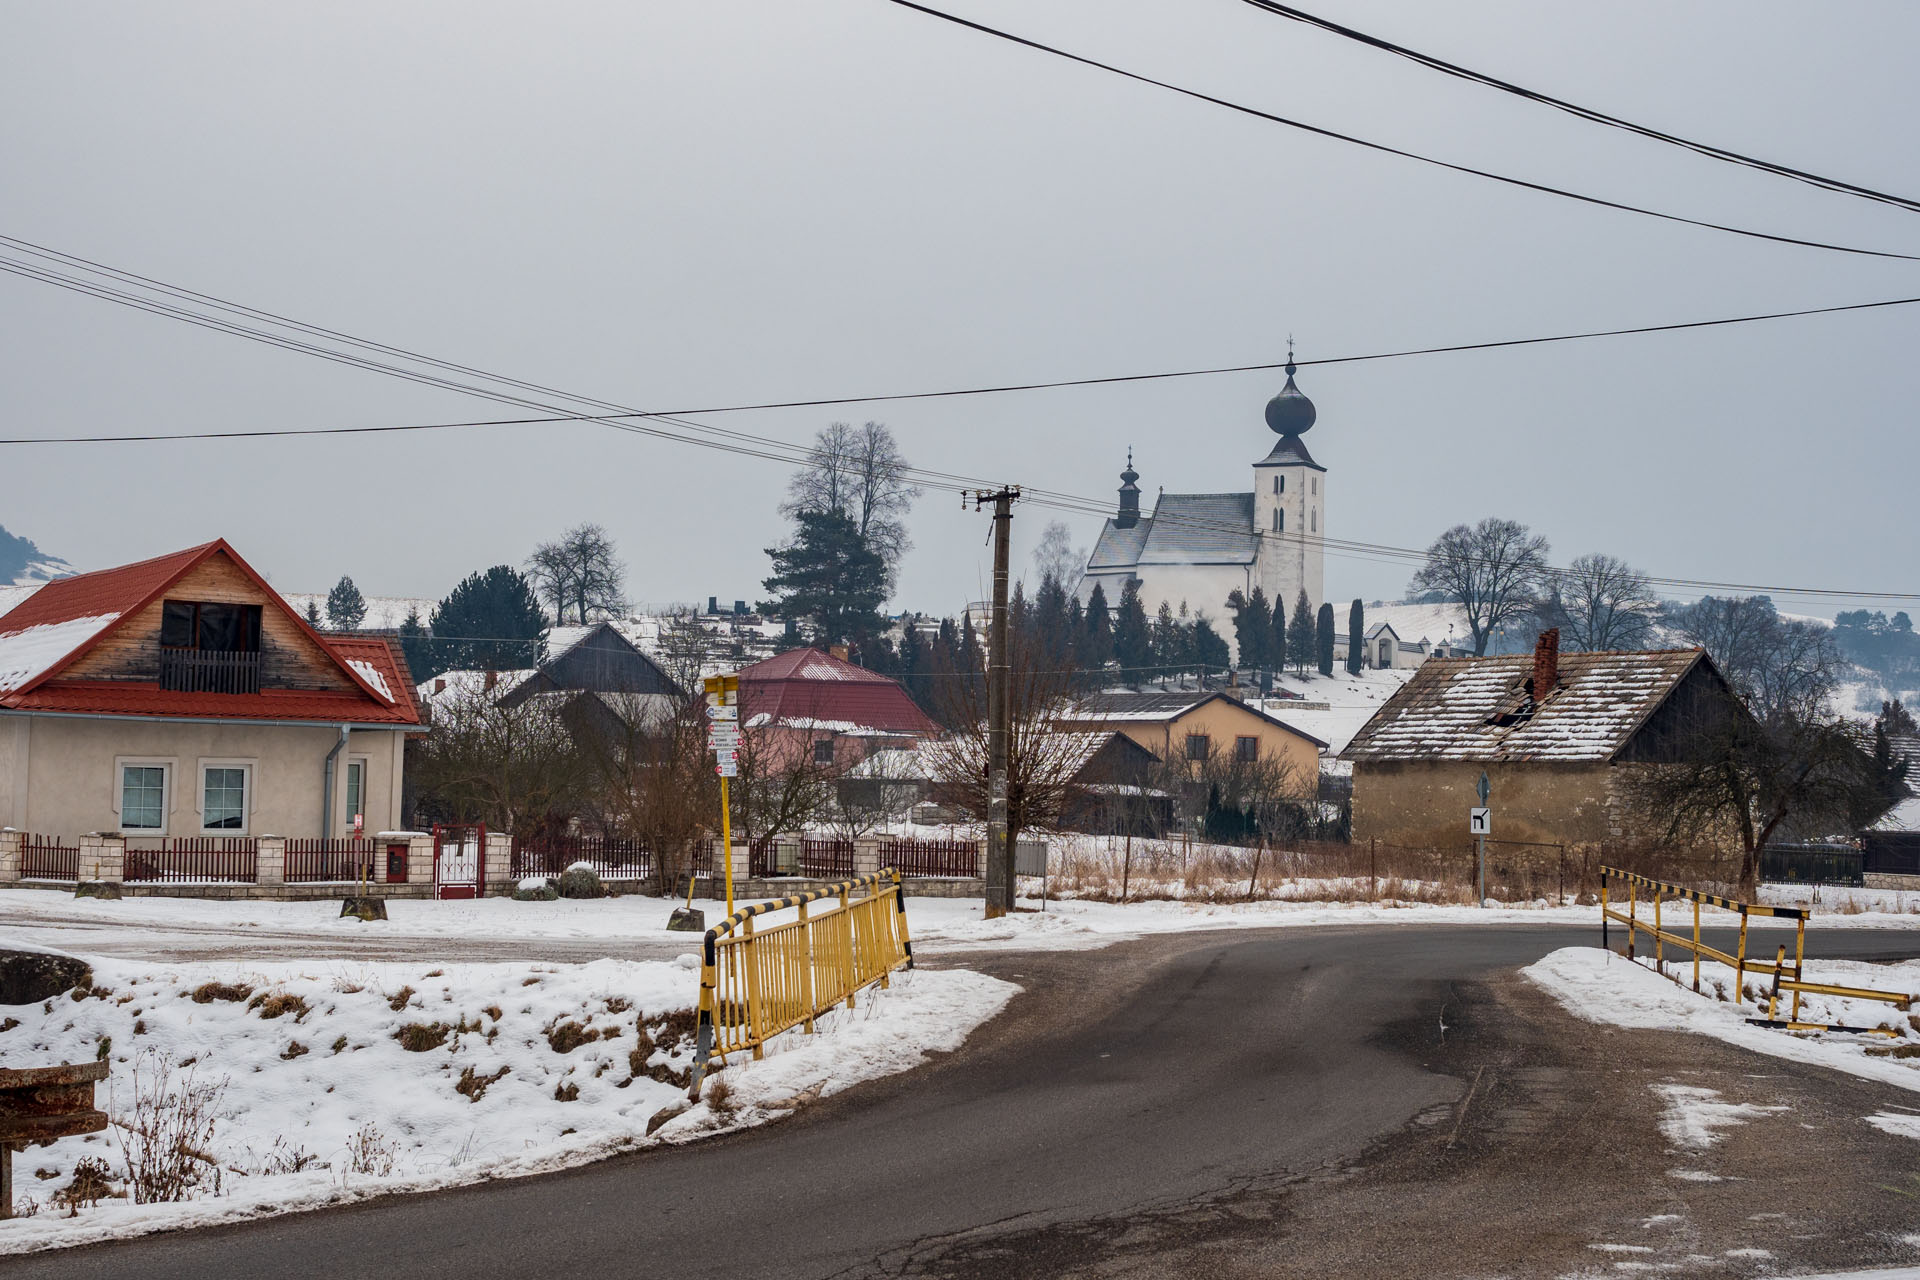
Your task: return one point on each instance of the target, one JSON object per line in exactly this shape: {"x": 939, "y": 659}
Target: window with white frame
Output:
{"x": 223, "y": 797}
{"x": 356, "y": 789}
{"x": 143, "y": 797}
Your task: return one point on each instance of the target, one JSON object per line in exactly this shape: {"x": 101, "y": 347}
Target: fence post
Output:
{"x": 755, "y": 1005}
{"x": 496, "y": 864}
{"x": 270, "y": 862}
{"x": 103, "y": 858}
{"x": 1659, "y": 943}
{"x": 1633, "y": 920}
{"x": 866, "y": 857}
{"x": 1696, "y": 946}
{"x": 1740, "y": 965}
{"x": 1605, "y": 943}
{"x": 742, "y": 856}
{"x": 1799, "y": 956}
{"x": 843, "y": 924}
{"x": 11, "y": 844}
{"x": 420, "y": 858}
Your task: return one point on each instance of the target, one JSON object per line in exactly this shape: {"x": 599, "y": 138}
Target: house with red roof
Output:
{"x": 183, "y": 697}
{"x": 805, "y": 705}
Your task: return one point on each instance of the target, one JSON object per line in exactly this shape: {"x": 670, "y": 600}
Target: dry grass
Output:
{"x": 370, "y": 1153}
{"x": 418, "y": 1037}
{"x": 399, "y": 999}
{"x": 168, "y": 1131}
{"x": 474, "y": 1085}
{"x": 720, "y": 1097}
{"x": 208, "y": 992}
{"x": 565, "y": 1037}
{"x": 279, "y": 1004}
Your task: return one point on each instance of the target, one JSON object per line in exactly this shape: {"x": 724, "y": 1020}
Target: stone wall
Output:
{"x": 1424, "y": 805}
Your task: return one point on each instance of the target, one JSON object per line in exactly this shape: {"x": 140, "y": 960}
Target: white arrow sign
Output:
{"x": 723, "y": 713}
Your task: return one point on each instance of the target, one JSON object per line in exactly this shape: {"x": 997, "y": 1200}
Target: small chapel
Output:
{"x": 1198, "y": 548}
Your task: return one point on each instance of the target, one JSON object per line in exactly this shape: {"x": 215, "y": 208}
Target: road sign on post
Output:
{"x": 1480, "y": 822}
{"x": 723, "y": 739}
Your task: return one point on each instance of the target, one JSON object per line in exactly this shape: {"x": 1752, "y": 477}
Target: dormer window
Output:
{"x": 209, "y": 647}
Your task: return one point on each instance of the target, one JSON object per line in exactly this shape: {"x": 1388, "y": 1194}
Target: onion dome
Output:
{"x": 1290, "y": 413}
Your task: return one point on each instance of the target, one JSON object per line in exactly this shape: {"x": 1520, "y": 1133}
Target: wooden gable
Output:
{"x": 1699, "y": 706}
{"x": 289, "y": 656}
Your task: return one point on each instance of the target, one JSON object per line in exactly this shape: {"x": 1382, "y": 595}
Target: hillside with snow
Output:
{"x": 22, "y": 564}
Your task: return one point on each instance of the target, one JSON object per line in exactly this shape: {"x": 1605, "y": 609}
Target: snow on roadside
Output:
{"x": 1599, "y": 986}
{"x": 1695, "y": 1116}
{"x": 339, "y": 1081}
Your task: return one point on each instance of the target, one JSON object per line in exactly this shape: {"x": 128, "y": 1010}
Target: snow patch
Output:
{"x": 27, "y": 654}
{"x": 1695, "y": 1116}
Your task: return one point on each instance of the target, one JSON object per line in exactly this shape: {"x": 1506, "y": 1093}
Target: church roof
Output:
{"x": 1289, "y": 451}
{"x": 1118, "y": 548}
{"x": 1201, "y": 528}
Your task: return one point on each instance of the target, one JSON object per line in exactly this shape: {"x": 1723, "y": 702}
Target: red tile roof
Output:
{"x": 384, "y": 689}
{"x": 810, "y": 689}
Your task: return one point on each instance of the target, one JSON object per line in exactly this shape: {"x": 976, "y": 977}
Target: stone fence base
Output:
{"x": 1890, "y": 880}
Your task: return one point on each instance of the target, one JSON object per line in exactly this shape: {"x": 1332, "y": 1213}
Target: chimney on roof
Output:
{"x": 439, "y": 684}
{"x": 493, "y": 678}
{"x": 1546, "y": 663}
{"x": 839, "y": 651}
{"x": 739, "y": 606}
{"x": 713, "y": 604}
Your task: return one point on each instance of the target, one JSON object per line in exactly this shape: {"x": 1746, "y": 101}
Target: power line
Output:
{"x": 1585, "y": 113}
{"x": 737, "y": 442}
{"x": 1337, "y": 136}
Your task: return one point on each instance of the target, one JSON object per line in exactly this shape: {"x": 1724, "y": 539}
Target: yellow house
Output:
{"x": 1199, "y": 727}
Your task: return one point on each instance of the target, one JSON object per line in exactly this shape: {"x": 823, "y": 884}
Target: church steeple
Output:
{"x": 1129, "y": 513}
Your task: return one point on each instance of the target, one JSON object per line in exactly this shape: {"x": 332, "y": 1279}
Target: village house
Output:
{"x": 1198, "y": 727}
{"x": 805, "y": 705}
{"x": 183, "y": 697}
{"x": 1561, "y": 738}
{"x": 600, "y": 683}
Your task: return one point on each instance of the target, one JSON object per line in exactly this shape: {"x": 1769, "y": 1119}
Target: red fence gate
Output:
{"x": 459, "y": 860}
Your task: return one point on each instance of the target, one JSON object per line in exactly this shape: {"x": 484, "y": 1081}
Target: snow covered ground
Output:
{"x": 1603, "y": 987}
{"x": 326, "y": 1082}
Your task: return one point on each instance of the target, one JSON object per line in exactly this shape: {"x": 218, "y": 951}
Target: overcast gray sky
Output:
{"x": 678, "y": 204}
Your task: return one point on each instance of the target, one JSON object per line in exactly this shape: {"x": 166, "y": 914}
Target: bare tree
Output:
{"x": 862, "y": 803}
{"x": 861, "y": 473}
{"x": 1780, "y": 666}
{"x": 579, "y": 576}
{"x": 1605, "y": 603}
{"x": 1043, "y": 760}
{"x": 1056, "y": 559}
{"x": 778, "y": 788}
{"x": 1493, "y": 569}
{"x": 498, "y": 765}
{"x": 658, "y": 783}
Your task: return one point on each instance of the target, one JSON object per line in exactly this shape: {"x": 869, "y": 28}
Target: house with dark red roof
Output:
{"x": 808, "y": 705}
{"x": 182, "y": 697}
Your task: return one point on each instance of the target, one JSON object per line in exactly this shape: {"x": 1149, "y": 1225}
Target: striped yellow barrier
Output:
{"x": 1787, "y": 976}
{"x": 757, "y": 981}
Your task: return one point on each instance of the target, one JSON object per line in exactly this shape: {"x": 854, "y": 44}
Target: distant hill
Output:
{"x": 22, "y": 563}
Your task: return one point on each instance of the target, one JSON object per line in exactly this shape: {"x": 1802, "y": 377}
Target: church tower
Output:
{"x": 1290, "y": 503}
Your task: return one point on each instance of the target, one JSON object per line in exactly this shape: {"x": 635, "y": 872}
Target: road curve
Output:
{"x": 1153, "y": 1073}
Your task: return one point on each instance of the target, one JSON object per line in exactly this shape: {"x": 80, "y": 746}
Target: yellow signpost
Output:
{"x": 723, "y": 739}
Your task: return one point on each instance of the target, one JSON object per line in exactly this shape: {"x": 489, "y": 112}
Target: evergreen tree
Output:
{"x": 829, "y": 576}
{"x": 1895, "y": 718}
{"x": 971, "y": 658}
{"x": 1260, "y": 628}
{"x": 416, "y": 644}
{"x": 345, "y": 605}
{"x": 1076, "y": 630}
{"x": 1277, "y": 648}
{"x": 1356, "y": 637}
{"x": 313, "y": 615}
{"x": 1019, "y": 618}
{"x": 1209, "y": 649}
{"x": 1166, "y": 641}
{"x": 1096, "y": 636}
{"x": 1052, "y": 640}
{"x": 1300, "y": 634}
{"x": 1132, "y": 637}
{"x": 491, "y": 621}
{"x": 1323, "y": 638}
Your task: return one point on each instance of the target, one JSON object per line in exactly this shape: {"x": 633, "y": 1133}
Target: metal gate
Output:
{"x": 459, "y": 853}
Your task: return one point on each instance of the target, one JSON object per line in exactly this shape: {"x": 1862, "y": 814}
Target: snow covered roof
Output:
{"x": 1476, "y": 708}
{"x": 1154, "y": 706}
{"x": 808, "y": 689}
{"x": 1201, "y": 528}
{"x": 1904, "y": 816}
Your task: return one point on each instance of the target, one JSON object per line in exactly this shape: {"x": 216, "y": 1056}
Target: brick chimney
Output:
{"x": 839, "y": 651}
{"x": 1546, "y": 663}
{"x": 493, "y": 677}
{"x": 439, "y": 684}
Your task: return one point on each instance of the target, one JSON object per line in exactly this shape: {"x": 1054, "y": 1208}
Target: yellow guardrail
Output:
{"x": 756, "y": 982}
{"x": 1788, "y": 977}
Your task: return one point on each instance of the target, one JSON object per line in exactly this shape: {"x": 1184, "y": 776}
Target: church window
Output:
{"x": 1315, "y": 483}
{"x": 1279, "y": 520}
{"x": 1315, "y": 517}
{"x": 1279, "y": 484}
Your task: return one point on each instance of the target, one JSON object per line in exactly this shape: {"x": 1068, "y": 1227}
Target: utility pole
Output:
{"x": 1000, "y": 875}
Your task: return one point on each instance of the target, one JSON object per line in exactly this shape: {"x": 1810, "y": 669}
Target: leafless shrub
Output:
{"x": 92, "y": 1182}
{"x": 287, "y": 1157}
{"x": 167, "y": 1131}
{"x": 720, "y": 1098}
{"x": 370, "y": 1153}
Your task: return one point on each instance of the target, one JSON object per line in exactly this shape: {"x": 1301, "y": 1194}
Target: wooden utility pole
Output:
{"x": 1000, "y": 874}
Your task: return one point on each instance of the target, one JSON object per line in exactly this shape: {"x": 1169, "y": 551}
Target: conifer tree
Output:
{"x": 1356, "y": 637}
{"x": 1132, "y": 637}
{"x": 313, "y": 615}
{"x": 345, "y": 605}
{"x": 1096, "y": 637}
{"x": 1300, "y": 633}
{"x": 1323, "y": 638}
{"x": 1277, "y": 647}
{"x": 1209, "y": 650}
{"x": 415, "y": 644}
{"x": 1166, "y": 641}
{"x": 1260, "y": 626}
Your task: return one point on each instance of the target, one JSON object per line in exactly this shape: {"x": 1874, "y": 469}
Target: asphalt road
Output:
{"x": 1234, "y": 1102}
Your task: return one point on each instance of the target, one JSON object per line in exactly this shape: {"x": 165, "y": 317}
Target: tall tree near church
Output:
{"x": 1167, "y": 648}
{"x": 830, "y": 576}
{"x": 1132, "y": 637}
{"x": 1277, "y": 643}
{"x": 1209, "y": 650}
{"x": 1300, "y": 633}
{"x": 861, "y": 473}
{"x": 1493, "y": 569}
{"x": 1356, "y": 636}
{"x": 1096, "y": 637}
{"x": 1323, "y": 638}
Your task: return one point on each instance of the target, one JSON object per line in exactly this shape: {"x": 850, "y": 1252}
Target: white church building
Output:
{"x": 1198, "y": 548}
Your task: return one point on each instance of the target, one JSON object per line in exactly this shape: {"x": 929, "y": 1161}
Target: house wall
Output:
{"x": 289, "y": 659}
{"x": 1222, "y": 720}
{"x": 1424, "y": 804}
{"x": 60, "y": 776}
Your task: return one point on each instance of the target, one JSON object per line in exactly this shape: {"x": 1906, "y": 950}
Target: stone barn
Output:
{"x": 1560, "y": 737}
